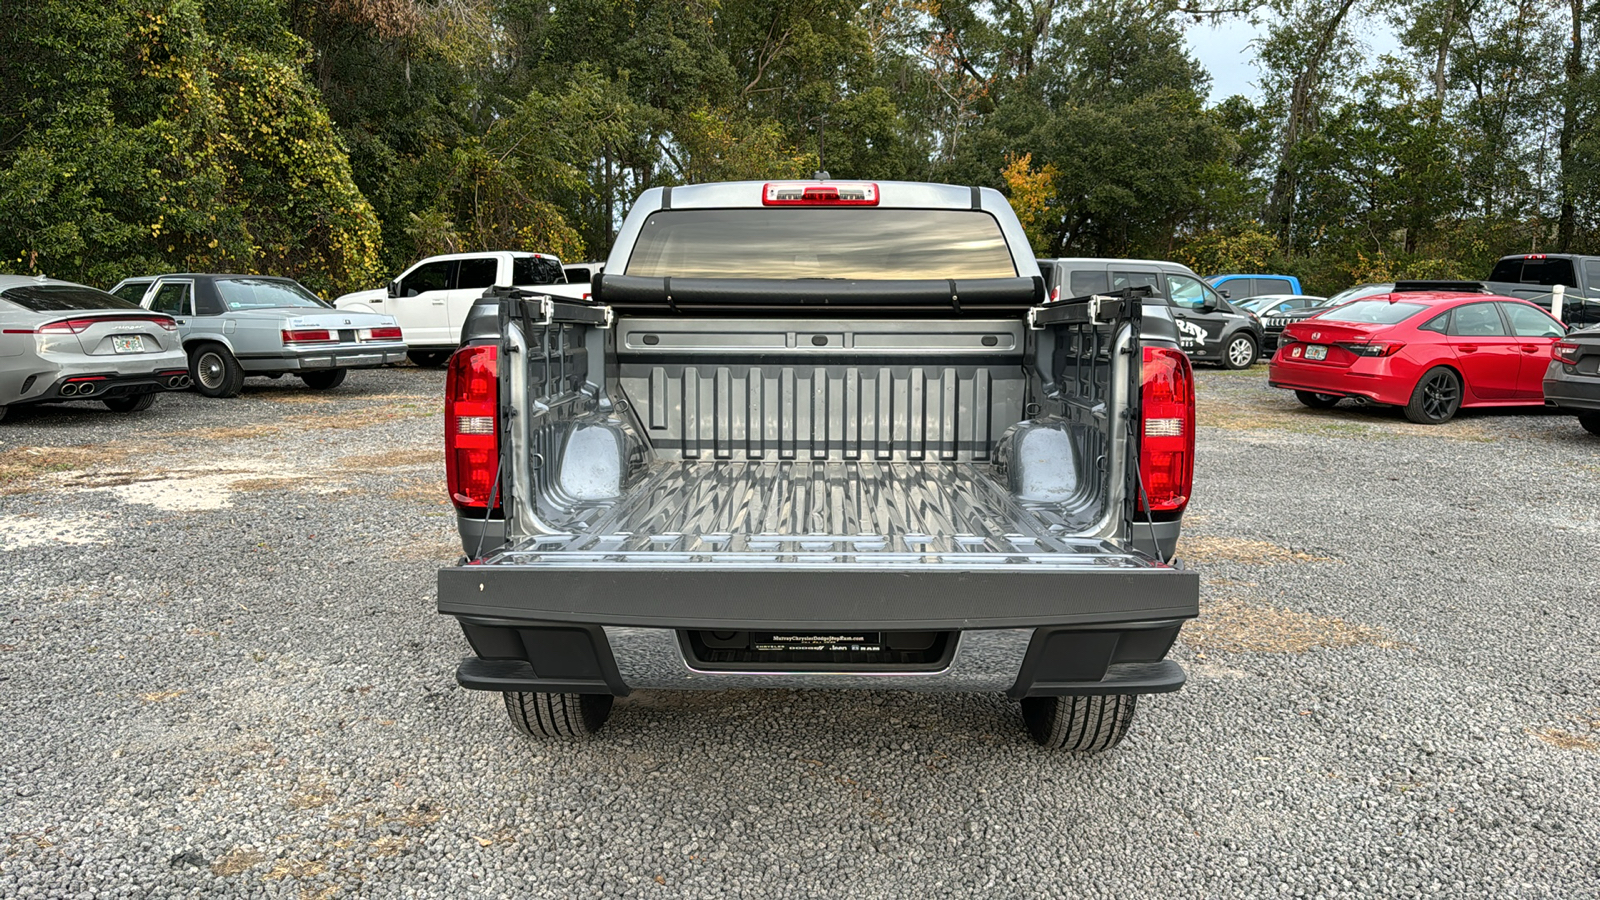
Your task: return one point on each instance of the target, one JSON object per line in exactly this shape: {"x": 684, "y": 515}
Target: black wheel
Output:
{"x": 565, "y": 716}
{"x": 1240, "y": 352}
{"x": 136, "y": 403}
{"x": 324, "y": 380}
{"x": 1316, "y": 400}
{"x": 1589, "y": 421}
{"x": 1079, "y": 724}
{"x": 215, "y": 372}
{"x": 1436, "y": 398}
{"x": 428, "y": 359}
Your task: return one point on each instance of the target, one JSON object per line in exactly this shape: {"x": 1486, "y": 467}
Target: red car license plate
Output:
{"x": 1316, "y": 351}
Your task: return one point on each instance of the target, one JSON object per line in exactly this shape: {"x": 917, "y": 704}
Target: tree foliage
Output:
{"x": 338, "y": 140}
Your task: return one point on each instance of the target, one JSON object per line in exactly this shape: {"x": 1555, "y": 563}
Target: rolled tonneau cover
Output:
{"x": 634, "y": 293}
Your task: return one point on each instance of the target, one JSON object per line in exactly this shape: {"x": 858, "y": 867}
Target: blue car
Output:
{"x": 1243, "y": 287}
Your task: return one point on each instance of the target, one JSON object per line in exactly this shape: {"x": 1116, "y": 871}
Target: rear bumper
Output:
{"x": 110, "y": 385}
{"x": 1370, "y": 379}
{"x": 1020, "y": 662}
{"x": 1577, "y": 393}
{"x": 613, "y": 628}
{"x": 361, "y": 356}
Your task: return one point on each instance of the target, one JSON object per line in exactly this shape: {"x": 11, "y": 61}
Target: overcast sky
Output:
{"x": 1226, "y": 53}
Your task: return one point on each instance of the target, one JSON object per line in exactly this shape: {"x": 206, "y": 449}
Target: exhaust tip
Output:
{"x": 69, "y": 389}
{"x": 86, "y": 388}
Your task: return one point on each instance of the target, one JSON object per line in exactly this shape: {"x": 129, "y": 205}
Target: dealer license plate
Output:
{"x": 1316, "y": 351}
{"x": 776, "y": 642}
{"x": 127, "y": 343}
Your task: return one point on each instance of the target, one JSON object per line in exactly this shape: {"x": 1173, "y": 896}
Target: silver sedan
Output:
{"x": 64, "y": 341}
{"x": 238, "y": 325}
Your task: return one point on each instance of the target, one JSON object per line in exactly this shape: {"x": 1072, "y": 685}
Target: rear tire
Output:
{"x": 215, "y": 372}
{"x": 567, "y": 717}
{"x": 1436, "y": 398}
{"x": 1589, "y": 421}
{"x": 1316, "y": 400}
{"x": 137, "y": 403}
{"x": 324, "y": 380}
{"x": 1241, "y": 352}
{"x": 428, "y": 359}
{"x": 1084, "y": 724}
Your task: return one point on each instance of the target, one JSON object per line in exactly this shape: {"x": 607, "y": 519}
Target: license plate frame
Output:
{"x": 1316, "y": 352}
{"x": 790, "y": 642}
{"x": 127, "y": 343}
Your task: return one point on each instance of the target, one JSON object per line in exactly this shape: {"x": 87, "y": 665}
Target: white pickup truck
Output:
{"x": 430, "y": 300}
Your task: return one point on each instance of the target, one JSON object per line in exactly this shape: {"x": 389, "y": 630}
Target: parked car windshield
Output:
{"x": 260, "y": 293}
{"x": 786, "y": 243}
{"x": 1373, "y": 312}
{"x": 63, "y": 298}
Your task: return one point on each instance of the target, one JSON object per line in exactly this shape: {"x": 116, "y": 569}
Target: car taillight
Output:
{"x": 383, "y": 334}
{"x": 471, "y": 435}
{"x": 1166, "y": 455}
{"x": 811, "y": 193}
{"x": 306, "y": 335}
{"x": 1566, "y": 351}
{"x": 1374, "y": 348}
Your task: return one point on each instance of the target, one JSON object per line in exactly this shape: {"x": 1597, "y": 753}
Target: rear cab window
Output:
{"x": 876, "y": 244}
{"x": 477, "y": 274}
{"x": 536, "y": 270}
{"x": 172, "y": 297}
{"x": 1546, "y": 272}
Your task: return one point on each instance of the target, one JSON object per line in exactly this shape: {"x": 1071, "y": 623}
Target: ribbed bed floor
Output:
{"x": 820, "y": 512}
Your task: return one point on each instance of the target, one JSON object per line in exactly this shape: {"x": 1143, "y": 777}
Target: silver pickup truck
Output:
{"x": 821, "y": 435}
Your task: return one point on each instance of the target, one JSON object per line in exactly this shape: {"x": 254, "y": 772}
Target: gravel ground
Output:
{"x": 221, "y": 675}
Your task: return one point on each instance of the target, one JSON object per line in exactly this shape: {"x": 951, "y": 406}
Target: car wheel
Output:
{"x": 1316, "y": 400}
{"x": 215, "y": 372}
{"x": 136, "y": 403}
{"x": 428, "y": 359}
{"x": 563, "y": 716}
{"x": 1241, "y": 352}
{"x": 1436, "y": 397}
{"x": 324, "y": 380}
{"x": 1087, "y": 724}
{"x": 1589, "y": 421}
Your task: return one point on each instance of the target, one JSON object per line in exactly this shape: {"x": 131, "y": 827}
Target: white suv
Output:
{"x": 431, "y": 299}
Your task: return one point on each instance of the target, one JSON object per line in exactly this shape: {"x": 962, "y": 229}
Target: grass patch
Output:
{"x": 1253, "y": 415}
{"x": 22, "y": 467}
{"x": 428, "y": 493}
{"x": 237, "y": 861}
{"x": 266, "y": 485}
{"x": 1230, "y": 625}
{"x": 393, "y": 459}
{"x": 1202, "y": 549}
{"x": 1566, "y": 740}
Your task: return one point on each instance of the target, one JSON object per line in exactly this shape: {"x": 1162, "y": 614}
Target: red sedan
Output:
{"x": 1431, "y": 352}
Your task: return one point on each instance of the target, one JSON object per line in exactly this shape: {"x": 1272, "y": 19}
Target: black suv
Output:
{"x": 1209, "y": 327}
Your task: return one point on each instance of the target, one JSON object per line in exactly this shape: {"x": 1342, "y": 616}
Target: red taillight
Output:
{"x": 1166, "y": 454}
{"x": 811, "y": 193}
{"x": 471, "y": 432}
{"x": 384, "y": 334}
{"x": 306, "y": 336}
{"x": 1372, "y": 348}
{"x": 78, "y": 326}
{"x": 1566, "y": 352}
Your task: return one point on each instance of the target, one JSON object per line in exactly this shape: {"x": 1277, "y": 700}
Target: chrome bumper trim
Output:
{"x": 652, "y": 658}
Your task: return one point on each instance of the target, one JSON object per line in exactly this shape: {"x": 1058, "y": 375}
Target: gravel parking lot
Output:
{"x": 221, "y": 674}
